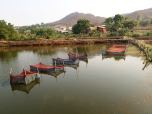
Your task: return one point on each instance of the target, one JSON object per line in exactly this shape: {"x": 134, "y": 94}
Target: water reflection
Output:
{"x": 25, "y": 88}
{"x": 121, "y": 85}
{"x": 116, "y": 57}
{"x": 54, "y": 74}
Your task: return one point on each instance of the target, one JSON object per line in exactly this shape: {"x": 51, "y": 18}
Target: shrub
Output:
{"x": 112, "y": 34}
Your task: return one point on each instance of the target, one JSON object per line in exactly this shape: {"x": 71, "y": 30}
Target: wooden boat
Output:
{"x": 82, "y": 56}
{"x": 25, "y": 77}
{"x": 66, "y": 61}
{"x": 116, "y": 49}
{"x": 47, "y": 68}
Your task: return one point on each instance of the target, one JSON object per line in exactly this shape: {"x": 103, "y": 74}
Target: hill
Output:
{"x": 72, "y": 19}
{"x": 146, "y": 14}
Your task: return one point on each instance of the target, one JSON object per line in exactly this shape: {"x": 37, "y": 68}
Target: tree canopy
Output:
{"x": 81, "y": 26}
{"x": 6, "y": 30}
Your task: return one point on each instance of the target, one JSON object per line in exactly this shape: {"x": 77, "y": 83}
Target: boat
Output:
{"x": 47, "y": 68}
{"x": 24, "y": 78}
{"x": 116, "y": 49}
{"x": 66, "y": 61}
{"x": 81, "y": 56}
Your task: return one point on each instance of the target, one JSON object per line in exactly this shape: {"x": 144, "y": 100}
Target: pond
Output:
{"x": 98, "y": 85}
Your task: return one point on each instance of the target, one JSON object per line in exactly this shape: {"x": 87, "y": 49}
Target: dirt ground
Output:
{"x": 148, "y": 42}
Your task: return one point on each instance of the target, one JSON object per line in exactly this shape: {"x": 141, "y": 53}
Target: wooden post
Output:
{"x": 37, "y": 69}
{"x": 11, "y": 71}
{"x": 39, "y": 58}
{"x": 55, "y": 66}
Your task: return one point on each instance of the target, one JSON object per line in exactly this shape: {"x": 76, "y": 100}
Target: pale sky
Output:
{"x": 28, "y": 12}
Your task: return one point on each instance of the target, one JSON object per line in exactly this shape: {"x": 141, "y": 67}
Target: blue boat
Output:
{"x": 66, "y": 61}
{"x": 82, "y": 56}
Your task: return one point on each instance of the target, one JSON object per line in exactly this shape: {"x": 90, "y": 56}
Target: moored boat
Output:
{"x": 65, "y": 61}
{"x": 116, "y": 49}
{"x": 81, "y": 56}
{"x": 24, "y": 78}
{"x": 47, "y": 68}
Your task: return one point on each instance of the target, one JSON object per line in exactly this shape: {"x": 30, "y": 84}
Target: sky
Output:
{"x": 28, "y": 12}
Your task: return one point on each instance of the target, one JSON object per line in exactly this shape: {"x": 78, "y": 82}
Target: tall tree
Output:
{"x": 6, "y": 31}
{"x": 139, "y": 17}
{"x": 130, "y": 24}
{"x": 108, "y": 21}
{"x": 118, "y": 18}
{"x": 81, "y": 26}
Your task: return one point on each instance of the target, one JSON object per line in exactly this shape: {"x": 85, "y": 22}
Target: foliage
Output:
{"x": 145, "y": 23}
{"x": 94, "y": 32}
{"x": 81, "y": 26}
{"x": 108, "y": 21}
{"x": 46, "y": 32}
{"x": 118, "y": 18}
{"x": 112, "y": 34}
{"x": 147, "y": 34}
{"x": 123, "y": 32}
{"x": 130, "y": 24}
{"x": 6, "y": 30}
{"x": 139, "y": 17}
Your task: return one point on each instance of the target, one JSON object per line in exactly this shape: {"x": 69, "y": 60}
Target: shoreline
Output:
{"x": 61, "y": 41}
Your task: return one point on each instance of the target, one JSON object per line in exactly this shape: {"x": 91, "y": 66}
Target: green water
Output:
{"x": 99, "y": 85}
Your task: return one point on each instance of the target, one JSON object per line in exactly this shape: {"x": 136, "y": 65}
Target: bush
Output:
{"x": 135, "y": 35}
{"x": 149, "y": 33}
{"x": 112, "y": 34}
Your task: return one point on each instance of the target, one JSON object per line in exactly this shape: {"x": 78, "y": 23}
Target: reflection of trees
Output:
{"x": 146, "y": 64}
{"x": 8, "y": 55}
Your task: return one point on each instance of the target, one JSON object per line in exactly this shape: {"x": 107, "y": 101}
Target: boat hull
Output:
{"x": 84, "y": 57}
{"x": 46, "y": 70}
{"x": 110, "y": 53}
{"x": 68, "y": 62}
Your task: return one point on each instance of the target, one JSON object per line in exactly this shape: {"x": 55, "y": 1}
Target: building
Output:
{"x": 102, "y": 29}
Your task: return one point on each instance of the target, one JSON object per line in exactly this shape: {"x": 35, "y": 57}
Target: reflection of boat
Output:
{"x": 25, "y": 77}
{"x": 25, "y": 88}
{"x": 75, "y": 66}
{"x": 82, "y": 56}
{"x": 55, "y": 74}
{"x": 42, "y": 67}
{"x": 66, "y": 61}
{"x": 116, "y": 57}
{"x": 115, "y": 49}
{"x": 84, "y": 60}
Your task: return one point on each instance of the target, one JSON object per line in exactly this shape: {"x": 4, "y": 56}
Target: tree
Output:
{"x": 118, "y": 18}
{"x": 108, "y": 21}
{"x": 6, "y": 31}
{"x": 81, "y": 26}
{"x": 130, "y": 24}
{"x": 139, "y": 17}
{"x": 145, "y": 23}
{"x": 122, "y": 32}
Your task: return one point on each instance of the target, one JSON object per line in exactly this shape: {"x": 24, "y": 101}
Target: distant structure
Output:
{"x": 102, "y": 29}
